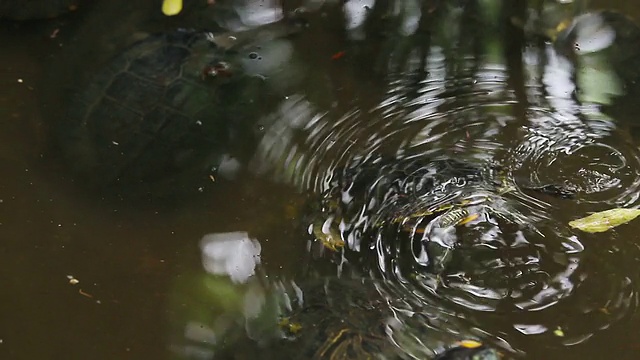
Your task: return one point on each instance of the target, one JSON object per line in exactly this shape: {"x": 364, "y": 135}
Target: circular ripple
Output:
{"x": 408, "y": 192}
{"x": 584, "y": 156}
{"x": 460, "y": 114}
{"x": 451, "y": 231}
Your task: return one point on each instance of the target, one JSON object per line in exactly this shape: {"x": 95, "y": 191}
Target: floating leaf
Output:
{"x": 470, "y": 344}
{"x": 558, "y": 332}
{"x": 605, "y": 220}
{"x": 171, "y": 7}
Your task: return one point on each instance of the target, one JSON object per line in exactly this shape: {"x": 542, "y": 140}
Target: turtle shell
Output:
{"x": 155, "y": 117}
{"x": 398, "y": 206}
{"x": 391, "y": 199}
{"x": 35, "y": 9}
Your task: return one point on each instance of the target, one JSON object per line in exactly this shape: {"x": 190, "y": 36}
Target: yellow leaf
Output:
{"x": 558, "y": 332}
{"x": 605, "y": 220}
{"x": 286, "y": 324}
{"x": 171, "y": 7}
{"x": 470, "y": 344}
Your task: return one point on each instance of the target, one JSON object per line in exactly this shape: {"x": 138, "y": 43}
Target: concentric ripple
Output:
{"x": 460, "y": 113}
{"x": 459, "y": 234}
{"x": 597, "y": 169}
{"x": 441, "y": 185}
{"x": 569, "y": 143}
{"x": 228, "y": 300}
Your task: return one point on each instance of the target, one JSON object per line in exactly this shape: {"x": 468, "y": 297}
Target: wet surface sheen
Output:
{"x": 400, "y": 177}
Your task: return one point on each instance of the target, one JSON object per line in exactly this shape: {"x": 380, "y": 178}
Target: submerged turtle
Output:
{"x": 413, "y": 206}
{"x": 35, "y": 9}
{"x": 463, "y": 232}
{"x": 162, "y": 115}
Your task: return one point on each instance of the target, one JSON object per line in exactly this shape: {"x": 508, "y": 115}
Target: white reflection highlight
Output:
{"x": 531, "y": 329}
{"x": 278, "y": 149}
{"x": 411, "y": 16}
{"x": 234, "y": 254}
{"x": 591, "y": 34}
{"x": 229, "y": 167}
{"x": 355, "y": 14}
{"x": 256, "y": 13}
{"x": 560, "y": 287}
{"x": 558, "y": 81}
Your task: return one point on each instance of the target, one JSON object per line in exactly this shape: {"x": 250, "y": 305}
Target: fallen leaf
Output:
{"x": 171, "y": 7}
{"x": 470, "y": 344}
{"x": 558, "y": 332}
{"x": 605, "y": 220}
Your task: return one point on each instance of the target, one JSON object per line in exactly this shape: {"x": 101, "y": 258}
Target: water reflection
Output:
{"x": 569, "y": 139}
{"x": 232, "y": 254}
{"x": 229, "y": 307}
{"x": 451, "y": 92}
{"x": 436, "y": 95}
{"x": 208, "y": 304}
{"x": 443, "y": 151}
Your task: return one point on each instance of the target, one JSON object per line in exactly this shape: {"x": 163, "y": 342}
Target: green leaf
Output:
{"x": 605, "y": 220}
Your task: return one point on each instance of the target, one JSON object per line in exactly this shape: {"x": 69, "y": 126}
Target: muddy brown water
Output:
{"x": 127, "y": 255}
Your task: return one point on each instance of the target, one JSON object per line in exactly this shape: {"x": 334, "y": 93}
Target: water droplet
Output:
{"x": 253, "y": 55}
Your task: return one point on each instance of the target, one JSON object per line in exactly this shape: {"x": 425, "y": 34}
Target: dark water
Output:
{"x": 439, "y": 80}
